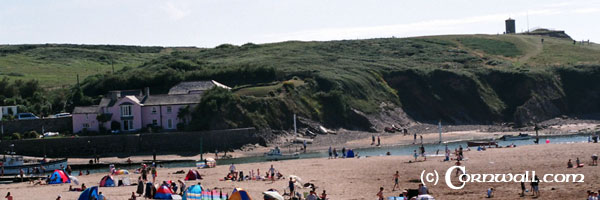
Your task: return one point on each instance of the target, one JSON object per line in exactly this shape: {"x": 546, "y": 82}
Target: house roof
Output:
{"x": 195, "y": 87}
{"x": 85, "y": 110}
{"x": 154, "y": 100}
{"x": 107, "y": 101}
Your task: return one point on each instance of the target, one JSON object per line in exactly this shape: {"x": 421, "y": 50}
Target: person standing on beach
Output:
{"x": 343, "y": 152}
{"x": 304, "y": 144}
{"x": 140, "y": 187}
{"x": 536, "y": 186}
{"x": 522, "y": 189}
{"x": 380, "y": 194}
{"x": 421, "y": 138}
{"x": 396, "y": 180}
{"x": 144, "y": 174}
{"x": 272, "y": 172}
{"x": 415, "y": 138}
{"x": 372, "y": 139}
{"x": 415, "y": 155}
{"x": 154, "y": 174}
{"x": 460, "y": 152}
{"x": 423, "y": 152}
{"x": 291, "y": 186}
{"x": 335, "y": 153}
{"x": 330, "y": 153}
{"x": 378, "y": 141}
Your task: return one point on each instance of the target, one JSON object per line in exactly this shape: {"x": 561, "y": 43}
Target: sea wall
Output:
{"x": 182, "y": 143}
{"x": 63, "y": 124}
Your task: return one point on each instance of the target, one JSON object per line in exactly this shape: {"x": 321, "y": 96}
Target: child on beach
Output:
{"x": 330, "y": 153}
{"x": 154, "y": 174}
{"x": 396, "y": 179}
{"x": 272, "y": 171}
{"x": 380, "y": 194}
{"x": 415, "y": 155}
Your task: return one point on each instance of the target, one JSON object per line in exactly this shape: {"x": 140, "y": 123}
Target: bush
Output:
{"x": 115, "y": 125}
{"x": 31, "y": 134}
{"x": 15, "y": 136}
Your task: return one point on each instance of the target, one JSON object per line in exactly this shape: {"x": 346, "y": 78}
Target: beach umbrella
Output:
{"x": 74, "y": 179}
{"x": 121, "y": 172}
{"x": 272, "y": 195}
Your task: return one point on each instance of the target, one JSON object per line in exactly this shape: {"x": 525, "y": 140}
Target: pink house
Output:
{"x": 132, "y": 110}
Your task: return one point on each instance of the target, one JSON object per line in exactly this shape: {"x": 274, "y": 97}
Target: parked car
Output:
{"x": 25, "y": 116}
{"x": 59, "y": 115}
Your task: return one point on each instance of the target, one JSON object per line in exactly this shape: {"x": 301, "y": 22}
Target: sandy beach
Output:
{"x": 360, "y": 178}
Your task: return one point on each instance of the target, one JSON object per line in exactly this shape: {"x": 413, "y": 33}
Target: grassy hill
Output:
{"x": 460, "y": 79}
{"x": 57, "y": 65}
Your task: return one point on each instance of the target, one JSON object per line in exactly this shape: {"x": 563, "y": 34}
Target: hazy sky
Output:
{"x": 207, "y": 23}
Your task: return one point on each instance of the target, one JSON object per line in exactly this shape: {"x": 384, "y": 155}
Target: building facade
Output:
{"x": 132, "y": 110}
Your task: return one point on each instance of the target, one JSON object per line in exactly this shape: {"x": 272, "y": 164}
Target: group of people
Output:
{"x": 421, "y": 152}
{"x": 373, "y": 140}
{"x": 579, "y": 164}
{"x": 406, "y": 194}
{"x": 235, "y": 175}
{"x": 535, "y": 187}
{"x": 593, "y": 195}
{"x": 333, "y": 153}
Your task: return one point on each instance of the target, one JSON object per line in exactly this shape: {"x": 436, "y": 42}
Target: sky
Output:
{"x": 208, "y": 23}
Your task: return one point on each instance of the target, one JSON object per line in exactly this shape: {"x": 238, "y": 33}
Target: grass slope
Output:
{"x": 456, "y": 78}
{"x": 58, "y": 65}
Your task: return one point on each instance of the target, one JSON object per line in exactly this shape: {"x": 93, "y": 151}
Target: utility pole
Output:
{"x": 295, "y": 131}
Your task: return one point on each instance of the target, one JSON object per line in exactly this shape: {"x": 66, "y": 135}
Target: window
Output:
{"x": 127, "y": 125}
{"x": 86, "y": 117}
{"x": 125, "y": 110}
{"x": 170, "y": 124}
{"x": 169, "y": 109}
{"x": 153, "y": 110}
{"x": 154, "y": 122}
{"x": 86, "y": 125}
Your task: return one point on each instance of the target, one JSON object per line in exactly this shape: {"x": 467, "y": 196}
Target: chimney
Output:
{"x": 114, "y": 95}
{"x": 147, "y": 91}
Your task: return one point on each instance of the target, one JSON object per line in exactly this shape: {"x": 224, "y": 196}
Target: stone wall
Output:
{"x": 183, "y": 143}
{"x": 62, "y": 125}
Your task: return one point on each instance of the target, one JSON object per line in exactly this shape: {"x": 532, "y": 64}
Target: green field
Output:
{"x": 58, "y": 65}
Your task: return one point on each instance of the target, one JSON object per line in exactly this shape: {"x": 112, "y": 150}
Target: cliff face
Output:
{"x": 486, "y": 96}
